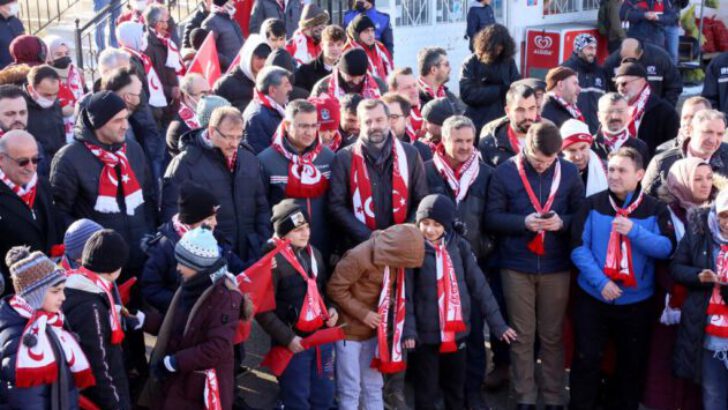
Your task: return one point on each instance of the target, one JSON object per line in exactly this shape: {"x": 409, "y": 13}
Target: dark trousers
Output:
{"x": 629, "y": 327}
{"x": 476, "y": 356}
{"x": 501, "y": 351}
{"x": 303, "y": 386}
{"x": 433, "y": 372}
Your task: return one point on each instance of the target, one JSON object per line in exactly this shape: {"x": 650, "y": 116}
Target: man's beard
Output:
{"x": 376, "y": 136}
{"x": 523, "y": 126}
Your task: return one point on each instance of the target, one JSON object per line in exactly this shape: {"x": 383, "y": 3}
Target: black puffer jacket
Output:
{"x": 421, "y": 321}
{"x": 46, "y": 125}
{"x": 494, "y": 146}
{"x": 593, "y": 83}
{"x": 244, "y": 214}
{"x": 228, "y": 36}
{"x": 553, "y": 111}
{"x": 483, "y": 88}
{"x": 194, "y": 21}
{"x": 236, "y": 88}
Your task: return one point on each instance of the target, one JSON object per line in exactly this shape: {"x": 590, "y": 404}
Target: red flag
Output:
{"x": 206, "y": 61}
{"x": 257, "y": 281}
{"x": 278, "y": 357}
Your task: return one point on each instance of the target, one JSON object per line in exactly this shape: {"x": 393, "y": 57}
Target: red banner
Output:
{"x": 206, "y": 61}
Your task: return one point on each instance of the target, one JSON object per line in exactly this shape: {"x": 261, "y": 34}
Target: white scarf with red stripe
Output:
{"x": 303, "y": 48}
{"x": 615, "y": 140}
{"x": 461, "y": 179}
{"x": 717, "y": 307}
{"x": 637, "y": 109}
{"x": 449, "y": 306}
{"x": 189, "y": 117}
{"x": 26, "y": 193}
{"x": 414, "y": 123}
{"x": 211, "y": 392}
{"x": 427, "y": 89}
{"x": 618, "y": 262}
{"x": 361, "y": 185}
{"x": 37, "y": 365}
{"x": 174, "y": 58}
{"x": 380, "y": 61}
{"x": 304, "y": 179}
{"x": 390, "y": 359}
{"x": 156, "y": 92}
{"x": 265, "y": 101}
{"x": 109, "y": 184}
{"x": 74, "y": 87}
{"x": 573, "y": 110}
{"x": 369, "y": 89}
{"x": 117, "y": 333}
{"x": 536, "y": 245}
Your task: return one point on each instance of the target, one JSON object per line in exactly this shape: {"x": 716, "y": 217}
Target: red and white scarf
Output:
{"x": 180, "y": 228}
{"x": 156, "y": 92}
{"x": 615, "y": 140}
{"x": 187, "y": 115}
{"x": 211, "y": 392}
{"x": 637, "y": 109}
{"x": 513, "y": 140}
{"x": 361, "y": 186}
{"x": 304, "y": 179}
{"x": 369, "y": 89}
{"x": 303, "y": 48}
{"x": 618, "y": 262}
{"x": 386, "y": 359}
{"x": 717, "y": 307}
{"x": 26, "y": 193}
{"x": 380, "y": 61}
{"x": 536, "y": 245}
{"x": 37, "y": 364}
{"x": 117, "y": 333}
{"x": 72, "y": 90}
{"x": 573, "y": 110}
{"x": 335, "y": 141}
{"x": 461, "y": 179}
{"x": 265, "y": 101}
{"x": 449, "y": 306}
{"x": 174, "y": 58}
{"x": 427, "y": 89}
{"x": 109, "y": 184}
{"x": 414, "y": 123}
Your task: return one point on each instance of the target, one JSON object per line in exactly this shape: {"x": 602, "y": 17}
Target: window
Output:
{"x": 551, "y": 7}
{"x": 451, "y": 11}
{"x": 412, "y": 12}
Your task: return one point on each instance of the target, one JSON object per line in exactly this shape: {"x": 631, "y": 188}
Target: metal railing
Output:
{"x": 38, "y": 14}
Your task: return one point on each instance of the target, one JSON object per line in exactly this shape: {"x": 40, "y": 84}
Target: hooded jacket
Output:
{"x": 593, "y": 83}
{"x": 228, "y": 37}
{"x": 382, "y": 25}
{"x": 357, "y": 280}
{"x": 238, "y": 84}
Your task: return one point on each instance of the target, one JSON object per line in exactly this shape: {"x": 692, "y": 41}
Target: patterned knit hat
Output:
{"x": 76, "y": 236}
{"x": 206, "y": 106}
{"x": 583, "y": 40}
{"x": 197, "y": 249}
{"x": 32, "y": 274}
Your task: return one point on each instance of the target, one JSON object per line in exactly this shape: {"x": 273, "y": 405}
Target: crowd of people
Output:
{"x": 375, "y": 225}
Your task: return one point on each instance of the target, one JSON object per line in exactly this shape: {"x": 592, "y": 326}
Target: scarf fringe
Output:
{"x": 29, "y": 377}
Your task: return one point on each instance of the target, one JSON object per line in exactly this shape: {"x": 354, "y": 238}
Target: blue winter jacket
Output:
{"x": 633, "y": 11}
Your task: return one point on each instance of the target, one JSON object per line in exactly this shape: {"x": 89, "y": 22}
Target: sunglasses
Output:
{"x": 23, "y": 162}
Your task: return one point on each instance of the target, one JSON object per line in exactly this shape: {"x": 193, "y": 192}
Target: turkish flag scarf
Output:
{"x": 427, "y": 89}
{"x": 637, "y": 109}
{"x": 536, "y": 245}
{"x": 27, "y": 193}
{"x": 36, "y": 363}
{"x": 460, "y": 179}
{"x": 369, "y": 87}
{"x": 449, "y": 306}
{"x": 717, "y": 307}
{"x": 618, "y": 264}
{"x": 156, "y": 93}
{"x": 211, "y": 391}
{"x": 304, "y": 179}
{"x": 380, "y": 61}
{"x": 390, "y": 359}
{"x": 109, "y": 184}
{"x": 615, "y": 140}
{"x": 265, "y": 101}
{"x": 303, "y": 48}
{"x": 189, "y": 117}
{"x": 414, "y": 124}
{"x": 174, "y": 58}
{"x": 117, "y": 333}
{"x": 361, "y": 185}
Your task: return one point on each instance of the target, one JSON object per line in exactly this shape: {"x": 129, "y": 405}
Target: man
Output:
{"x": 350, "y": 76}
{"x": 360, "y": 34}
{"x": 613, "y": 134}
{"x": 274, "y": 33}
{"x": 577, "y": 150}
{"x": 349, "y": 124}
{"x": 619, "y": 235}
{"x": 652, "y": 119}
{"x": 217, "y": 159}
{"x": 690, "y": 106}
{"x": 704, "y": 141}
{"x": 110, "y": 59}
{"x": 27, "y": 215}
{"x": 562, "y": 92}
{"x": 539, "y": 88}
{"x": 382, "y": 24}
{"x": 45, "y": 119}
{"x": 192, "y": 88}
{"x": 434, "y": 114}
{"x": 531, "y": 200}
{"x": 288, "y": 11}
{"x": 387, "y": 191}
{"x": 226, "y": 31}
{"x": 715, "y": 86}
{"x": 266, "y": 111}
{"x": 592, "y": 80}
{"x": 104, "y": 176}
{"x": 403, "y": 82}
{"x": 10, "y": 27}
{"x": 305, "y": 45}
{"x": 456, "y": 172}
{"x": 333, "y": 38}
{"x": 399, "y": 108}
{"x": 505, "y": 137}
{"x": 13, "y": 109}
{"x": 329, "y": 117}
{"x": 434, "y": 68}
{"x": 194, "y": 21}
{"x": 164, "y": 55}
{"x": 663, "y": 75}
{"x": 297, "y": 166}
{"x": 238, "y": 84}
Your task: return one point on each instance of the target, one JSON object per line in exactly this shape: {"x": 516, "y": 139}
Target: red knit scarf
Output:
{"x": 449, "y": 307}
{"x": 536, "y": 245}
{"x": 390, "y": 359}
{"x": 717, "y": 307}
{"x": 427, "y": 89}
{"x": 615, "y": 140}
{"x": 513, "y": 139}
{"x": 37, "y": 364}
{"x": 573, "y": 110}
{"x": 187, "y": 115}
{"x": 109, "y": 184}
{"x": 303, "y": 48}
{"x": 460, "y": 179}
{"x": 618, "y": 263}
{"x": 369, "y": 88}
{"x": 265, "y": 101}
{"x": 380, "y": 61}
{"x": 156, "y": 92}
{"x": 361, "y": 186}
{"x": 304, "y": 179}
{"x": 117, "y": 333}
{"x": 26, "y": 193}
{"x": 637, "y": 109}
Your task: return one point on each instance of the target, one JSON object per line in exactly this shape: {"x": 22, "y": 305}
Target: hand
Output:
{"x": 409, "y": 344}
{"x": 295, "y": 345}
{"x": 161, "y": 371}
{"x": 533, "y": 222}
{"x": 372, "y": 320}
{"x": 333, "y": 317}
{"x": 611, "y": 291}
{"x": 552, "y": 224}
{"x": 622, "y": 225}
{"x": 707, "y": 276}
{"x": 509, "y": 336}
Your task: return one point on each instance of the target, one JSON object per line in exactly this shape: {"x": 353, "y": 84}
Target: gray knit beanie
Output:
{"x": 206, "y": 106}
{"x": 32, "y": 274}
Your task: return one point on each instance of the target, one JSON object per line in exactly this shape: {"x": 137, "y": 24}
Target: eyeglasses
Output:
{"x": 229, "y": 137}
{"x": 395, "y": 117}
{"x": 624, "y": 83}
{"x": 23, "y": 162}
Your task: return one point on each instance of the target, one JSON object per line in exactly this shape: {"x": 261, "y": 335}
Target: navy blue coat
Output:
{"x": 479, "y": 17}
{"x": 260, "y": 124}
{"x": 634, "y": 11}
{"x": 9, "y": 29}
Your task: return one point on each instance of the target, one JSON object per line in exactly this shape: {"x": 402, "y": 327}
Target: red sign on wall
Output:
{"x": 570, "y": 36}
{"x": 542, "y": 49}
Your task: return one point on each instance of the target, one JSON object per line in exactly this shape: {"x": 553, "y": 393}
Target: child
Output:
{"x": 42, "y": 363}
{"x": 75, "y": 239}
{"x": 438, "y": 306}
{"x": 299, "y": 279}
{"x": 274, "y": 32}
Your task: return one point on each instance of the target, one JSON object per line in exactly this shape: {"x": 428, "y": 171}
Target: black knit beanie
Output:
{"x": 354, "y": 62}
{"x": 105, "y": 252}
{"x": 439, "y": 208}
{"x": 359, "y": 24}
{"x": 102, "y": 107}
{"x": 195, "y": 203}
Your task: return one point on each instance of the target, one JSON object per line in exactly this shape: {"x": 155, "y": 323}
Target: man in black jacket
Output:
{"x": 192, "y": 88}
{"x": 592, "y": 80}
{"x": 715, "y": 86}
{"x": 45, "y": 119}
{"x": 272, "y": 91}
{"x": 194, "y": 21}
{"x": 613, "y": 133}
{"x": 388, "y": 191}
{"x": 562, "y": 92}
{"x": 333, "y": 39}
{"x": 238, "y": 83}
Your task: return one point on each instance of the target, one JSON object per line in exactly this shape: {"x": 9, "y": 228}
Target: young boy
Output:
{"x": 274, "y": 32}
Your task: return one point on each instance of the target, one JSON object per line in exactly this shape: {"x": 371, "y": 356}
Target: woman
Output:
{"x": 72, "y": 86}
{"x": 690, "y": 186}
{"x": 439, "y": 296}
{"x": 701, "y": 265}
{"x": 487, "y": 75}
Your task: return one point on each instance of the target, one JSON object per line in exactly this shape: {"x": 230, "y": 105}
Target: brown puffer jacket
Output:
{"x": 356, "y": 283}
